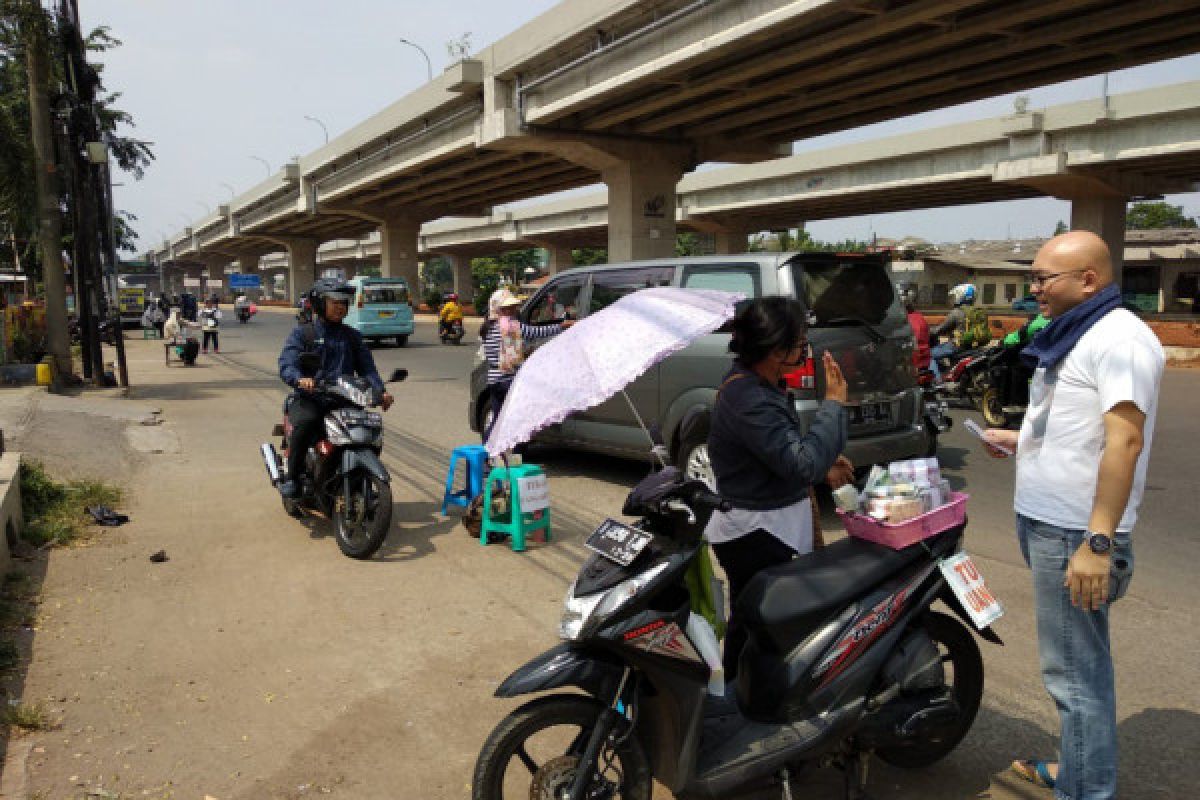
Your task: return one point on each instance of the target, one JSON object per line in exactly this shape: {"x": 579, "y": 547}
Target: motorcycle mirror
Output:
{"x": 398, "y": 375}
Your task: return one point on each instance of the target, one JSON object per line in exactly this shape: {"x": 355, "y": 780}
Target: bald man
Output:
{"x": 1081, "y": 459}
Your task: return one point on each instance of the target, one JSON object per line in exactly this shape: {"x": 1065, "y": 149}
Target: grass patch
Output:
{"x": 54, "y": 511}
{"x": 27, "y": 717}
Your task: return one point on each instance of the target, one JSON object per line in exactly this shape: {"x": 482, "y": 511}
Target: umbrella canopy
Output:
{"x": 602, "y": 354}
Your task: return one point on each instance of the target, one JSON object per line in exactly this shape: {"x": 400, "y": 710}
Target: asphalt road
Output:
{"x": 1157, "y": 647}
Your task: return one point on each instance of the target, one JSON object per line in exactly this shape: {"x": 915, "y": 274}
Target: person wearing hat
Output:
{"x": 504, "y": 337}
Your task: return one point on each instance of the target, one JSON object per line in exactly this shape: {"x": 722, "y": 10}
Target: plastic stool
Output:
{"x": 519, "y": 523}
{"x": 475, "y": 457}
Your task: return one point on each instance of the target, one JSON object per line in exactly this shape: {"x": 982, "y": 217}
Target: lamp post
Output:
{"x": 265, "y": 163}
{"x": 324, "y": 130}
{"x": 428, "y": 63}
{"x": 232, "y": 193}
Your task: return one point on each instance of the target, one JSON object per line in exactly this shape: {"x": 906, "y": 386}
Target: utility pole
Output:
{"x": 49, "y": 219}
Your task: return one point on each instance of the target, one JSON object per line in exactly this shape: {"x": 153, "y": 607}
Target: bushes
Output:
{"x": 54, "y": 512}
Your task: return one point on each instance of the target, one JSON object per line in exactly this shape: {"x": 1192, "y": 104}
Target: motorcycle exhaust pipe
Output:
{"x": 271, "y": 459}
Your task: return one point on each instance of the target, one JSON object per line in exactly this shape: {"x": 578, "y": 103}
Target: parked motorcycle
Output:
{"x": 344, "y": 479}
{"x": 1003, "y": 386}
{"x": 243, "y": 314}
{"x": 960, "y": 377}
{"x": 935, "y": 412}
{"x": 845, "y": 658}
{"x": 452, "y": 332}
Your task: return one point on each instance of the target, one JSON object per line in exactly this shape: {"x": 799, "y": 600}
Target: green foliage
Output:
{"x": 1061, "y": 228}
{"x": 54, "y": 511}
{"x": 589, "y": 256}
{"x": 28, "y": 717}
{"x": 10, "y": 656}
{"x": 433, "y": 299}
{"x": 690, "y": 244}
{"x": 801, "y": 241}
{"x": 1153, "y": 216}
{"x": 438, "y": 273}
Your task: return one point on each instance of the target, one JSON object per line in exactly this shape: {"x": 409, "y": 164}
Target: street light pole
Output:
{"x": 428, "y": 63}
{"x": 232, "y": 193}
{"x": 324, "y": 130}
{"x": 265, "y": 163}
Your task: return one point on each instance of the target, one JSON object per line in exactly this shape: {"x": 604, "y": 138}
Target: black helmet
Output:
{"x": 327, "y": 288}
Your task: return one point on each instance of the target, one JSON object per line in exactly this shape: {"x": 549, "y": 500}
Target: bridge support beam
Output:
{"x": 398, "y": 243}
{"x": 641, "y": 208}
{"x": 1104, "y": 216}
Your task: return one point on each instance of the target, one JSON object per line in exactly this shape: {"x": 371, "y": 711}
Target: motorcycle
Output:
{"x": 960, "y": 377}
{"x": 451, "y": 332}
{"x": 344, "y": 479}
{"x": 1003, "y": 386}
{"x": 845, "y": 658}
{"x": 935, "y": 412}
{"x": 243, "y": 314}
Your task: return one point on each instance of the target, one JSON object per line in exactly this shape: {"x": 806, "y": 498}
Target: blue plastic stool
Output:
{"x": 519, "y": 522}
{"x": 475, "y": 457}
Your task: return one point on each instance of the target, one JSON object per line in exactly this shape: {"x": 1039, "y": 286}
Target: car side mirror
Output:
{"x": 398, "y": 375}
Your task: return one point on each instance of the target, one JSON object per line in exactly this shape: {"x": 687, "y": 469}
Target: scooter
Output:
{"x": 243, "y": 314}
{"x": 451, "y": 332}
{"x": 845, "y": 658}
{"x": 343, "y": 477}
{"x": 1003, "y": 386}
{"x": 960, "y": 379}
{"x": 935, "y": 412}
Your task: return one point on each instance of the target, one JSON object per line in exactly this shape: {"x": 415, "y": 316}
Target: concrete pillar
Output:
{"x": 559, "y": 258}
{"x": 398, "y": 250}
{"x": 641, "y": 208}
{"x": 460, "y": 267}
{"x": 302, "y": 266}
{"x": 192, "y": 272}
{"x": 1103, "y": 215}
{"x": 729, "y": 242}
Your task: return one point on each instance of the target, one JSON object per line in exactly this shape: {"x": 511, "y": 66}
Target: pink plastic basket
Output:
{"x": 901, "y": 534}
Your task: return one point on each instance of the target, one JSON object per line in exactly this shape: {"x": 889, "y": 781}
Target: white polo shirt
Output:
{"x": 1062, "y": 438}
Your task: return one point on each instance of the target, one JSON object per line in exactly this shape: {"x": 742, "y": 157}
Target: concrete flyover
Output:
{"x": 636, "y": 93}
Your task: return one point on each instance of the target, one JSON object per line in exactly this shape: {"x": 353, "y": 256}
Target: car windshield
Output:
{"x": 376, "y": 294}
{"x": 845, "y": 290}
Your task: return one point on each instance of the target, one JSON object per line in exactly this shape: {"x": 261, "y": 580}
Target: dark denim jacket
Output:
{"x": 761, "y": 459}
{"x": 342, "y": 352}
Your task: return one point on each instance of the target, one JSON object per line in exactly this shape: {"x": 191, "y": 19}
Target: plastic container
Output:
{"x": 902, "y": 534}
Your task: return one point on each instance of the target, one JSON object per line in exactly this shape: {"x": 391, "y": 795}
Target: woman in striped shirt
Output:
{"x": 502, "y": 366}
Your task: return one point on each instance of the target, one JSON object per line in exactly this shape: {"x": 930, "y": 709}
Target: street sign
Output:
{"x": 239, "y": 281}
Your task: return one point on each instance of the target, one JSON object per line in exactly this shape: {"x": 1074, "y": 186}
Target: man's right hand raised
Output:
{"x": 306, "y": 384}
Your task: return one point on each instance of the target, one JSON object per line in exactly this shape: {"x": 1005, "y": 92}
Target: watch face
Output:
{"x": 1099, "y": 543}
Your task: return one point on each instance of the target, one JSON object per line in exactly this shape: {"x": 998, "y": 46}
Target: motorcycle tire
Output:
{"x": 961, "y": 654}
{"x": 361, "y": 538}
{"x": 506, "y": 748}
{"x": 991, "y": 405}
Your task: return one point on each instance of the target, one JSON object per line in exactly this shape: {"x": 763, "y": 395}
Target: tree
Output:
{"x": 1060, "y": 228}
{"x": 588, "y": 256}
{"x": 1153, "y": 216}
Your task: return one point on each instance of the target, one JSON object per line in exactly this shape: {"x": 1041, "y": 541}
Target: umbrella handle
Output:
{"x": 654, "y": 446}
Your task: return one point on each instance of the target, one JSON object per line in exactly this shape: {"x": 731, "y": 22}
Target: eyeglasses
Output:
{"x": 1045, "y": 277}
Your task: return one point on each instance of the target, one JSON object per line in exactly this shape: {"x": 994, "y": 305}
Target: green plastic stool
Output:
{"x": 519, "y": 523}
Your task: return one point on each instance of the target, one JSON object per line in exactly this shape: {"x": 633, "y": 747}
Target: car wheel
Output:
{"x": 693, "y": 458}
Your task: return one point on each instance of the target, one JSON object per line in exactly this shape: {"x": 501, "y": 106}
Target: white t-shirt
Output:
{"x": 791, "y": 525}
{"x": 1058, "y": 455}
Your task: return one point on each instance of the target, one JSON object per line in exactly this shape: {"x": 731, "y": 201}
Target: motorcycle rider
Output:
{"x": 334, "y": 350}
{"x": 961, "y": 325}
{"x": 450, "y": 313}
{"x": 916, "y": 321}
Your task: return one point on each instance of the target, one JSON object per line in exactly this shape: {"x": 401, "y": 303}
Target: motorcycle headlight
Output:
{"x": 583, "y": 615}
{"x": 335, "y": 431}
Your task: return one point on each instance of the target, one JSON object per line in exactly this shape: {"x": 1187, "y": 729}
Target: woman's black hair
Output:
{"x": 767, "y": 324}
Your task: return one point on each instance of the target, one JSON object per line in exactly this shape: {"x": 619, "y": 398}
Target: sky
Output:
{"x": 220, "y": 86}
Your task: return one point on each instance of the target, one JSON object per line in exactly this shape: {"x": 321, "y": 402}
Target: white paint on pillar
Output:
{"x": 1103, "y": 215}
{"x": 398, "y": 251}
{"x": 641, "y": 209}
{"x": 302, "y": 266}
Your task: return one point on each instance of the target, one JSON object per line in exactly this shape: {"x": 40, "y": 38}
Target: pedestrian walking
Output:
{"x": 210, "y": 319}
{"x": 1081, "y": 458}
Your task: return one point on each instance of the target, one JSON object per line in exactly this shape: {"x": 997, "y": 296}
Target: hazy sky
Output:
{"x": 215, "y": 84}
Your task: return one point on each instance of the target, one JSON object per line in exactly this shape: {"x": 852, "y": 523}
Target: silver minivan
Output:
{"x": 854, "y": 313}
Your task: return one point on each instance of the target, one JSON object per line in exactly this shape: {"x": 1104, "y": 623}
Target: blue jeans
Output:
{"x": 940, "y": 351}
{"x": 1076, "y": 658}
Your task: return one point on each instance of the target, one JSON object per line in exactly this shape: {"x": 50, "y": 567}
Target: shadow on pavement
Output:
{"x": 414, "y": 526}
{"x": 197, "y": 390}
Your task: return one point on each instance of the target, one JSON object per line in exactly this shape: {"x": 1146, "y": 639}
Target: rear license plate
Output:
{"x": 968, "y": 585}
{"x": 870, "y": 413}
{"x": 386, "y": 314}
{"x": 617, "y": 542}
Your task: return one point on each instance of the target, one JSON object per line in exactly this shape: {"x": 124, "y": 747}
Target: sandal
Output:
{"x": 1036, "y": 772}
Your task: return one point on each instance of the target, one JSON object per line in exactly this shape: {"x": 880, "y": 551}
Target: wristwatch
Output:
{"x": 1098, "y": 543}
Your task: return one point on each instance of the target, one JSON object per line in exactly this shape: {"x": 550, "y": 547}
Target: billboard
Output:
{"x": 239, "y": 281}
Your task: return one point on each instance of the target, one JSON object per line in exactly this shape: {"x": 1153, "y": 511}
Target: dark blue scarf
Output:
{"x": 1053, "y": 342}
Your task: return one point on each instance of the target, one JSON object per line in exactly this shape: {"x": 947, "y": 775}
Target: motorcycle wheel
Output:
{"x": 534, "y": 752}
{"x": 991, "y": 405}
{"x": 361, "y": 524}
{"x": 963, "y": 665}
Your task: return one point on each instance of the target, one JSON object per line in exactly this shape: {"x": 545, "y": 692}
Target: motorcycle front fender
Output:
{"x": 594, "y": 673}
{"x": 364, "y": 459}
{"x": 948, "y": 597}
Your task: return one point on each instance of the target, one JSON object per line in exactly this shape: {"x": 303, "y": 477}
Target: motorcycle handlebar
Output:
{"x": 702, "y": 497}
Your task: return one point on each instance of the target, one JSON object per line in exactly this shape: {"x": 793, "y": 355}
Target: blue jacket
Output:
{"x": 761, "y": 457}
{"x": 342, "y": 351}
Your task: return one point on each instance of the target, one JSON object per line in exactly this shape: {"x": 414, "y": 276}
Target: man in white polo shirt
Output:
{"x": 1081, "y": 466}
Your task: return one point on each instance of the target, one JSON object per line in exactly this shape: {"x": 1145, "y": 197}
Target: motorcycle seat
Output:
{"x": 784, "y": 603}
